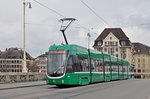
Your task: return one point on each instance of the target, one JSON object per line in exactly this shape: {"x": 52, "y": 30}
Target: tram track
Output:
{"x": 83, "y": 90}
{"x": 74, "y": 92}
{"x": 97, "y": 87}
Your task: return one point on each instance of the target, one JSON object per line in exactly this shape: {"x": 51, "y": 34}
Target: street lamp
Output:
{"x": 89, "y": 39}
{"x": 24, "y": 68}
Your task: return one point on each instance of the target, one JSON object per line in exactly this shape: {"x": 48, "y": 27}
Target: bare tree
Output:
{"x": 33, "y": 67}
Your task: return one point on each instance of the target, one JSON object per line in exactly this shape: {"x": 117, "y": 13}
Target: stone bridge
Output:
{"x": 21, "y": 77}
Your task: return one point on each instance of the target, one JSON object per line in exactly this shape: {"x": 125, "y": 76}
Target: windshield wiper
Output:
{"x": 59, "y": 69}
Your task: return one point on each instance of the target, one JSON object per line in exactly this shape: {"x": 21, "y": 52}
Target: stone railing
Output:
{"x": 21, "y": 77}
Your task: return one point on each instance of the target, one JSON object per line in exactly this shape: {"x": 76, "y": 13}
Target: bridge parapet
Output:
{"x": 21, "y": 77}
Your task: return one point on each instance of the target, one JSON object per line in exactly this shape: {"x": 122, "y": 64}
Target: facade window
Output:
{"x": 123, "y": 50}
{"x": 123, "y": 43}
{"x": 110, "y": 38}
{"x": 116, "y": 55}
{"x": 139, "y": 70}
{"x": 108, "y": 50}
{"x": 138, "y": 54}
{"x": 138, "y": 65}
{"x": 138, "y": 60}
{"x": 112, "y": 43}
{"x": 143, "y": 65}
{"x": 108, "y": 43}
{"x": 105, "y": 43}
{"x": 116, "y": 49}
{"x": 112, "y": 50}
{"x": 134, "y": 70}
{"x": 143, "y": 70}
{"x": 105, "y": 49}
{"x": 143, "y": 55}
{"x": 124, "y": 56}
{"x": 99, "y": 43}
{"x": 116, "y": 43}
{"x": 143, "y": 60}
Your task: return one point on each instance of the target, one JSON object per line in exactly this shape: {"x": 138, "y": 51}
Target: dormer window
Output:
{"x": 99, "y": 43}
{"x": 110, "y": 38}
{"x": 123, "y": 43}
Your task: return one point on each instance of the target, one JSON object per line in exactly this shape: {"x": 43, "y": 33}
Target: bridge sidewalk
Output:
{"x": 21, "y": 85}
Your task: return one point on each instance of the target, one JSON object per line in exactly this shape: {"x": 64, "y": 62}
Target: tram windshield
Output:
{"x": 56, "y": 63}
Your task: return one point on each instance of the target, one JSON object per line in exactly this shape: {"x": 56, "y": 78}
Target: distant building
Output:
{"x": 11, "y": 60}
{"x": 141, "y": 60}
{"x": 42, "y": 62}
{"x": 113, "y": 41}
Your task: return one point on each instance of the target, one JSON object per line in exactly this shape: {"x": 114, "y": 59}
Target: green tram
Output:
{"x": 76, "y": 65}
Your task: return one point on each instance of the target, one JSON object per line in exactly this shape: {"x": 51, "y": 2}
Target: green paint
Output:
{"x": 84, "y": 78}
{"x": 103, "y": 67}
{"x": 110, "y": 68}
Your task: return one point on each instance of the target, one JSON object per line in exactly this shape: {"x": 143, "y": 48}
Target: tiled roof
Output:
{"x": 116, "y": 31}
{"x": 141, "y": 48}
{"x": 43, "y": 55}
{"x": 14, "y": 53}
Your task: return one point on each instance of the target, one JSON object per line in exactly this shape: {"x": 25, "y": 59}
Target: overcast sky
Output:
{"x": 42, "y": 25}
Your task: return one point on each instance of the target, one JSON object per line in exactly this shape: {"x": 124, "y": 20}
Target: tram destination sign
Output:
{"x": 58, "y": 52}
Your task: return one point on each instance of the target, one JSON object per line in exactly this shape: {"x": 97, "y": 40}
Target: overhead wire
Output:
{"x": 56, "y": 12}
{"x": 49, "y": 8}
{"x": 95, "y": 13}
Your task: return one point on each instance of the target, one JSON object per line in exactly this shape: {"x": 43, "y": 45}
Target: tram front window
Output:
{"x": 56, "y": 63}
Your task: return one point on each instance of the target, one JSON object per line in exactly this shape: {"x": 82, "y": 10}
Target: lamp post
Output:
{"x": 88, "y": 39}
{"x": 24, "y": 68}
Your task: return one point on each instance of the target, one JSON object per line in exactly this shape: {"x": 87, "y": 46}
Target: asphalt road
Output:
{"x": 126, "y": 89}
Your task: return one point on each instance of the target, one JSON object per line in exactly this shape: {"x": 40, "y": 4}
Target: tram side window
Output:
{"x": 93, "y": 65}
{"x": 107, "y": 66}
{"x": 120, "y": 67}
{"x": 114, "y": 67}
{"x": 75, "y": 64}
{"x": 69, "y": 65}
{"x": 125, "y": 69}
{"x": 83, "y": 64}
{"x": 100, "y": 65}
{"x": 96, "y": 65}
